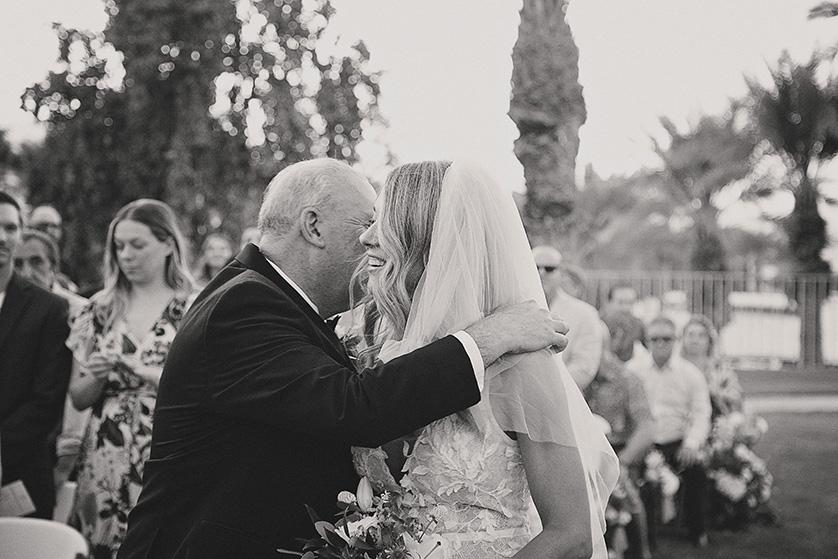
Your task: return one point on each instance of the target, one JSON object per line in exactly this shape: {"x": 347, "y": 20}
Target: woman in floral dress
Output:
{"x": 119, "y": 343}
{"x": 699, "y": 346}
{"x": 740, "y": 481}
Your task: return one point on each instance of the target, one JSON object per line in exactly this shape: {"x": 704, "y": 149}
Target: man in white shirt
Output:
{"x": 680, "y": 403}
{"x": 585, "y": 334}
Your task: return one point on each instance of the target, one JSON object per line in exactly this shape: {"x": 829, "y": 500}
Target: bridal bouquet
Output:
{"x": 370, "y": 527}
{"x": 740, "y": 478}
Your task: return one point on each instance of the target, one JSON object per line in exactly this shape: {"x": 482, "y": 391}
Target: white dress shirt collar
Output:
{"x": 292, "y": 284}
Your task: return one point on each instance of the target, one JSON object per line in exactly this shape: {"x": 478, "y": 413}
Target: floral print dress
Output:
{"x": 117, "y": 440}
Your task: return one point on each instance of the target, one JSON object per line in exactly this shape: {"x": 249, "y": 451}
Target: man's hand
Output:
{"x": 518, "y": 328}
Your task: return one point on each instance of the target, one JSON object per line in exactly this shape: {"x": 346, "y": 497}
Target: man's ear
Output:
{"x": 310, "y": 227}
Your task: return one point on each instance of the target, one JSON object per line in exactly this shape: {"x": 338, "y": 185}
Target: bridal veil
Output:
{"x": 479, "y": 260}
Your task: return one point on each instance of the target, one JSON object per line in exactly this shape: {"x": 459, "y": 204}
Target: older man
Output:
{"x": 680, "y": 403}
{"x": 585, "y": 336}
{"x": 258, "y": 402}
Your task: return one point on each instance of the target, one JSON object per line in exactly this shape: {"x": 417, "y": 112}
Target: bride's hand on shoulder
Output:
{"x": 518, "y": 328}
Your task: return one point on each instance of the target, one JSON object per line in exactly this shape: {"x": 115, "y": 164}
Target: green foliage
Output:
{"x": 196, "y": 103}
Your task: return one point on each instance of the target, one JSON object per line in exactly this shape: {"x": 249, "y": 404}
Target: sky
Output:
{"x": 447, "y": 64}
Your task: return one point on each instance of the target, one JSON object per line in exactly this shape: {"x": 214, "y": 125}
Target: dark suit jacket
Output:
{"x": 34, "y": 372}
{"x": 257, "y": 408}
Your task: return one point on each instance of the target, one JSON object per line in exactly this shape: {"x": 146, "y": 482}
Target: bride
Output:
{"x": 446, "y": 248}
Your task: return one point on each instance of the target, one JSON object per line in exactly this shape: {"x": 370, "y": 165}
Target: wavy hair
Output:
{"x": 160, "y": 219}
{"x": 405, "y": 224}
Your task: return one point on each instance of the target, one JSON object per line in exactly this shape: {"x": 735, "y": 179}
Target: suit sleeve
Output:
{"x": 37, "y": 415}
{"x": 274, "y": 372}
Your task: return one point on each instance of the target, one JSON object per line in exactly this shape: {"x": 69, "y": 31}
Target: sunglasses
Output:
{"x": 666, "y": 339}
{"x": 548, "y": 269}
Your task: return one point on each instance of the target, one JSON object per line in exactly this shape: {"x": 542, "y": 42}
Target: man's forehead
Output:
{"x": 9, "y": 213}
{"x": 661, "y": 328}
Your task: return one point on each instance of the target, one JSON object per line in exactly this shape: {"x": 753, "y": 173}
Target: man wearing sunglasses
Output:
{"x": 585, "y": 335}
{"x": 680, "y": 403}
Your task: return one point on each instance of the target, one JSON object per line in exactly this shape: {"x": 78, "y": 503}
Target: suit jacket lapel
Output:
{"x": 13, "y": 306}
{"x": 252, "y": 258}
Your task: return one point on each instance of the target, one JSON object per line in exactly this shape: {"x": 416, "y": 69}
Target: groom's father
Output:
{"x": 259, "y": 403}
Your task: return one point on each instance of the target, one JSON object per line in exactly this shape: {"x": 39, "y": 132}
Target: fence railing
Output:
{"x": 762, "y": 322}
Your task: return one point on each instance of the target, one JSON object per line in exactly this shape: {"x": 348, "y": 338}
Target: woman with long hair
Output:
{"x": 119, "y": 343}
{"x": 700, "y": 346}
{"x": 447, "y": 248}
{"x": 216, "y": 252}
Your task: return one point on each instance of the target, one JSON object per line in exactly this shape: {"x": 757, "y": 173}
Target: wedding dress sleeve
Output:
{"x": 479, "y": 260}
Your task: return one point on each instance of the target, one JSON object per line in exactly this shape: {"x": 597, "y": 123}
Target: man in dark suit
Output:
{"x": 34, "y": 369}
{"x": 258, "y": 402}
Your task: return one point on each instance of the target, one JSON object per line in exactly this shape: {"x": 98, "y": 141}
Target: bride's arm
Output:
{"x": 557, "y": 483}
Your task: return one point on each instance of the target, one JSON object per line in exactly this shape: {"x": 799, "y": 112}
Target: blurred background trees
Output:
{"x": 196, "y": 103}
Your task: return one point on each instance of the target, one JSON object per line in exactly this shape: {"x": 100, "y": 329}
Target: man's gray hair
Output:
{"x": 301, "y": 185}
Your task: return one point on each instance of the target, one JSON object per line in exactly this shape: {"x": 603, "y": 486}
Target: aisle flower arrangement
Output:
{"x": 370, "y": 527}
{"x": 658, "y": 472}
{"x": 740, "y": 478}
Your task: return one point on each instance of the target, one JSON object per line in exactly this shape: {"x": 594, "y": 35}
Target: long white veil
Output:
{"x": 480, "y": 259}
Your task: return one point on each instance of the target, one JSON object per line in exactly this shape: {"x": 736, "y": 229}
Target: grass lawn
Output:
{"x": 801, "y": 451}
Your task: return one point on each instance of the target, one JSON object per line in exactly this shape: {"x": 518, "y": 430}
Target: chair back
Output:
{"x": 34, "y": 538}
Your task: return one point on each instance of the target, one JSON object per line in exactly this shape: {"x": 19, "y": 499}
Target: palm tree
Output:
{"x": 824, "y": 9}
{"x": 798, "y": 118}
{"x": 696, "y": 166}
{"x": 548, "y": 108}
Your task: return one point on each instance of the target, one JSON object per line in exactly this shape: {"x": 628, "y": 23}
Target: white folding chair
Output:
{"x": 34, "y": 538}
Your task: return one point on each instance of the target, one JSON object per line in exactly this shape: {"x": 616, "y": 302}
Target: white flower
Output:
{"x": 734, "y": 488}
{"x": 359, "y": 527}
{"x": 364, "y": 494}
{"x": 346, "y": 497}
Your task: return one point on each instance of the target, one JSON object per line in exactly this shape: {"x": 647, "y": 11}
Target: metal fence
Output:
{"x": 763, "y": 323}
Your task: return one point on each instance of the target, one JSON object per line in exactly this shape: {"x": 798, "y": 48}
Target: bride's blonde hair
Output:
{"x": 406, "y": 221}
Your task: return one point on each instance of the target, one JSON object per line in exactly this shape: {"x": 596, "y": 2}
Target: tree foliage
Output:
{"x": 797, "y": 119}
{"x": 697, "y": 165}
{"x": 196, "y": 103}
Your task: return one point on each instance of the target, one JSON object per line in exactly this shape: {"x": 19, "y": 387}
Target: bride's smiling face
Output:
{"x": 376, "y": 258}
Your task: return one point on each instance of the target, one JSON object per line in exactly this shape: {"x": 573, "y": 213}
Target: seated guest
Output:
{"x": 34, "y": 369}
{"x": 699, "y": 346}
{"x": 628, "y": 333}
{"x": 732, "y": 505}
{"x": 680, "y": 404}
{"x": 618, "y": 395}
{"x": 584, "y": 348}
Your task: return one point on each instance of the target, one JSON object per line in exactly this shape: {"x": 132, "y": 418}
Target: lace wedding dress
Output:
{"x": 464, "y": 472}
{"x": 468, "y": 486}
